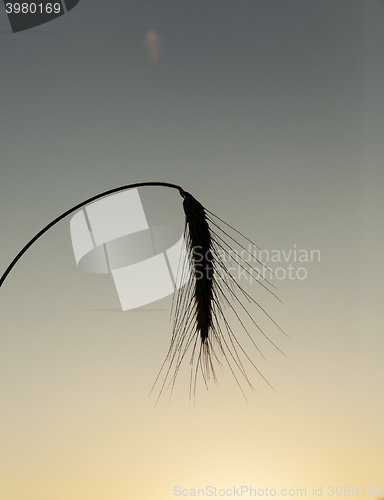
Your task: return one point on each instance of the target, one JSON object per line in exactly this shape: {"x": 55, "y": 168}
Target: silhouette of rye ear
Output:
{"x": 200, "y": 324}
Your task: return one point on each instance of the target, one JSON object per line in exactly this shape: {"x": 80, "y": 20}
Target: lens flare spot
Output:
{"x": 152, "y": 43}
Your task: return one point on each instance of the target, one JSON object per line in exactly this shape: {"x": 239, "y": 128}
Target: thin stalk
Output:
{"x": 73, "y": 209}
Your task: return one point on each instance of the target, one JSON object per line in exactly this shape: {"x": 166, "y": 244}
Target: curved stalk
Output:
{"x": 73, "y": 209}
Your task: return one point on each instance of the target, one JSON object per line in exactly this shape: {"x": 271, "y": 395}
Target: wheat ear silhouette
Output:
{"x": 200, "y": 325}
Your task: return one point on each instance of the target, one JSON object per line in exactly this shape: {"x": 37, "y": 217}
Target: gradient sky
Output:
{"x": 272, "y": 114}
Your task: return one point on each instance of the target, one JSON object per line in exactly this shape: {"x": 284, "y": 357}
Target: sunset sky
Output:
{"x": 271, "y": 113}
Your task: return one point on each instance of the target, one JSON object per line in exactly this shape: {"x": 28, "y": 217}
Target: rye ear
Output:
{"x": 200, "y": 326}
{"x": 199, "y": 243}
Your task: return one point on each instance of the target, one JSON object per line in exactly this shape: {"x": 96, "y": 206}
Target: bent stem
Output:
{"x": 73, "y": 209}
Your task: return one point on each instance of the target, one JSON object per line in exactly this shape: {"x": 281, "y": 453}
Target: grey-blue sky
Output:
{"x": 234, "y": 85}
